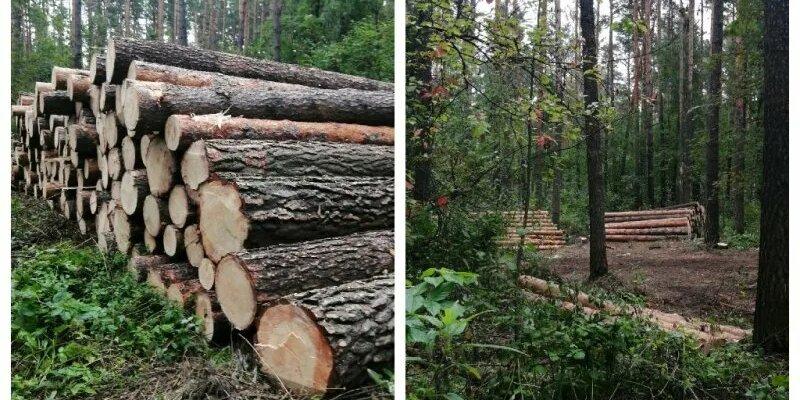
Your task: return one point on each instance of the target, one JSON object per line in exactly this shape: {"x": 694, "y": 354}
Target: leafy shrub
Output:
{"x": 79, "y": 322}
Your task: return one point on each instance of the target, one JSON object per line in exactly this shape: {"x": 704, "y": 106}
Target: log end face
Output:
{"x": 130, "y": 108}
{"x": 223, "y": 226}
{"x": 178, "y": 205}
{"x": 203, "y": 308}
{"x": 175, "y": 295}
{"x": 122, "y": 230}
{"x": 151, "y": 216}
{"x": 160, "y": 162}
{"x": 155, "y": 281}
{"x": 172, "y": 132}
{"x": 293, "y": 348}
{"x": 171, "y": 240}
{"x": 194, "y": 165}
{"x": 110, "y": 58}
{"x": 129, "y": 194}
{"x": 206, "y": 273}
{"x": 235, "y": 293}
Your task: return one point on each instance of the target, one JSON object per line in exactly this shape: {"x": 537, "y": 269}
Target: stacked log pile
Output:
{"x": 708, "y": 334}
{"x": 257, "y": 194}
{"x": 680, "y": 222}
{"x": 541, "y": 232}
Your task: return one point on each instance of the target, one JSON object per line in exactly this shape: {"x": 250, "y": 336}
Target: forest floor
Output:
{"x": 674, "y": 276}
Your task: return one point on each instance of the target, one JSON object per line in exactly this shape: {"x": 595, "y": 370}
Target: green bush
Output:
{"x": 79, "y": 322}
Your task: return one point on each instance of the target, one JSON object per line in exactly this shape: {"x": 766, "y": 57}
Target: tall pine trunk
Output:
{"x": 160, "y": 21}
{"x": 771, "y": 324}
{"x": 712, "y": 155}
{"x": 739, "y": 137}
{"x": 686, "y": 125}
{"x": 558, "y": 174}
{"x": 593, "y": 132}
{"x": 277, "y": 8}
{"x": 75, "y": 35}
{"x": 180, "y": 22}
{"x": 648, "y": 98}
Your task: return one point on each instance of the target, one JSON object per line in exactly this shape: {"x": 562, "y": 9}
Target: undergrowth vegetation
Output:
{"x": 471, "y": 334}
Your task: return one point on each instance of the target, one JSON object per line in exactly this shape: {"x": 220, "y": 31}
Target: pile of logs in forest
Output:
{"x": 678, "y": 222}
{"x": 539, "y": 230}
{"x": 257, "y": 194}
{"x": 707, "y": 334}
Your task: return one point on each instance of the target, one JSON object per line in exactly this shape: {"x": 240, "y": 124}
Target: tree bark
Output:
{"x": 75, "y": 35}
{"x": 277, "y": 9}
{"x": 126, "y": 232}
{"x": 161, "y": 276}
{"x": 771, "y": 323}
{"x": 183, "y": 293}
{"x": 78, "y": 88}
{"x": 312, "y": 344}
{"x": 714, "y": 97}
{"x": 739, "y": 136}
{"x": 648, "y": 97}
{"x": 131, "y": 156}
{"x": 183, "y": 130}
{"x": 160, "y": 21}
{"x": 593, "y": 132}
{"x": 650, "y": 223}
{"x": 148, "y": 105}
{"x": 180, "y": 22}
{"x": 56, "y": 102}
{"x": 151, "y": 72}
{"x": 685, "y": 121}
{"x": 97, "y": 69}
{"x": 246, "y": 278}
{"x": 121, "y": 51}
{"x": 247, "y": 212}
{"x": 205, "y": 159}
{"x": 60, "y": 76}
{"x": 138, "y": 266}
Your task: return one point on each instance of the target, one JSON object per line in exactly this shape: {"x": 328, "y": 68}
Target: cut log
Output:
{"x": 82, "y": 200}
{"x": 78, "y": 88}
{"x": 83, "y": 142}
{"x": 652, "y": 223}
{"x": 183, "y": 293}
{"x": 25, "y": 99}
{"x": 106, "y": 242}
{"x": 112, "y": 129}
{"x": 152, "y": 243}
{"x": 161, "y": 276}
{"x": 116, "y": 191}
{"x": 96, "y": 198}
{"x": 50, "y": 190}
{"x": 156, "y": 215}
{"x": 311, "y": 343}
{"x": 19, "y": 111}
{"x": 193, "y": 245}
{"x": 138, "y": 266}
{"x": 647, "y": 231}
{"x": 102, "y": 143}
{"x": 58, "y": 120}
{"x": 248, "y": 212}
{"x": 640, "y": 238}
{"x": 91, "y": 171}
{"x": 38, "y": 89}
{"x": 97, "y": 69}
{"x": 215, "y": 326}
{"x": 114, "y": 163}
{"x": 124, "y": 230}
{"x": 119, "y": 104}
{"x": 94, "y": 99}
{"x": 108, "y": 97}
{"x": 84, "y": 226}
{"x": 133, "y": 190}
{"x": 162, "y": 169}
{"x": 151, "y": 72}
{"x": 182, "y": 206}
{"x": 131, "y": 158}
{"x": 60, "y": 76}
{"x": 206, "y": 158}
{"x": 245, "y": 279}
{"x": 144, "y": 144}
{"x": 122, "y": 51}
{"x": 647, "y": 212}
{"x": 102, "y": 165}
{"x": 147, "y": 105}
{"x": 173, "y": 241}
{"x": 207, "y": 272}
{"x": 56, "y": 102}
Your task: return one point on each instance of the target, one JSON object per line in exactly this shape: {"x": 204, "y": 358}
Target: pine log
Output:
{"x": 97, "y": 69}
{"x": 640, "y": 238}
{"x": 124, "y": 230}
{"x": 56, "y": 102}
{"x": 652, "y": 223}
{"x": 647, "y": 212}
{"x": 138, "y": 266}
{"x": 119, "y": 104}
{"x": 193, "y": 245}
{"x": 84, "y": 226}
{"x": 249, "y": 211}
{"x": 152, "y": 243}
{"x": 311, "y": 343}
{"x": 25, "y": 99}
{"x": 162, "y": 168}
{"x": 161, "y": 276}
{"x": 112, "y": 129}
{"x": 133, "y": 190}
{"x": 245, "y": 279}
{"x": 108, "y": 97}
{"x": 183, "y": 293}
{"x": 97, "y": 198}
{"x": 106, "y": 242}
{"x": 647, "y": 217}
{"x": 182, "y": 206}
{"x": 78, "y": 88}
{"x": 183, "y": 130}
{"x": 114, "y": 163}
{"x": 207, "y": 272}
{"x": 647, "y": 231}
{"x": 19, "y": 111}
{"x": 94, "y": 99}
{"x": 50, "y": 190}
{"x": 216, "y": 328}
{"x": 91, "y": 171}
{"x": 58, "y": 120}
{"x": 150, "y": 72}
{"x": 173, "y": 241}
{"x": 205, "y": 158}
{"x": 144, "y": 145}
{"x": 147, "y": 105}
{"x": 116, "y": 191}
{"x": 60, "y": 76}
{"x": 131, "y": 158}
{"x": 82, "y": 200}
{"x": 155, "y": 214}
{"x": 83, "y": 141}
{"x": 38, "y": 89}
{"x": 122, "y": 51}
{"x": 102, "y": 165}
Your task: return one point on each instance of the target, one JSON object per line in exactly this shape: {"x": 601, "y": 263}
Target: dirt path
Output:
{"x": 673, "y": 276}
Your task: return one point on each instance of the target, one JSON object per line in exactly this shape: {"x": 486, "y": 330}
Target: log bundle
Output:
{"x": 539, "y": 230}
{"x": 677, "y": 222}
{"x": 274, "y": 221}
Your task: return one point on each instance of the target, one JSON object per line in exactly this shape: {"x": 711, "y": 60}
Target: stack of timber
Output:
{"x": 709, "y": 335}
{"x": 539, "y": 230}
{"x": 257, "y": 194}
{"x": 679, "y": 222}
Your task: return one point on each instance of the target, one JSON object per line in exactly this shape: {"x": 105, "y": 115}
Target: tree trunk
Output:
{"x": 179, "y": 22}
{"x": 648, "y": 97}
{"x": 183, "y": 130}
{"x": 127, "y": 17}
{"x": 162, "y": 276}
{"x": 311, "y": 344}
{"x": 243, "y": 25}
{"x": 122, "y": 51}
{"x": 204, "y": 159}
{"x": 139, "y": 266}
{"x": 771, "y": 324}
{"x": 739, "y": 137}
{"x": 593, "y": 132}
{"x": 650, "y": 223}
{"x": 75, "y": 35}
{"x": 714, "y": 97}
{"x": 245, "y": 279}
{"x": 213, "y": 39}
{"x": 97, "y": 69}
{"x": 149, "y": 104}
{"x": 685, "y": 123}
{"x": 151, "y": 72}
{"x": 247, "y": 212}
{"x": 277, "y": 8}
{"x": 160, "y": 21}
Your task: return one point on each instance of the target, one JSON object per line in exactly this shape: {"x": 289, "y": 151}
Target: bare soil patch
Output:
{"x": 675, "y": 276}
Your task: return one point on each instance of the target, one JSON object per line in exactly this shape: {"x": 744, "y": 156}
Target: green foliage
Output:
{"x": 540, "y": 350}
{"x": 79, "y": 323}
{"x": 32, "y": 223}
{"x": 432, "y": 314}
{"x": 450, "y": 236}
{"x": 367, "y": 50}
